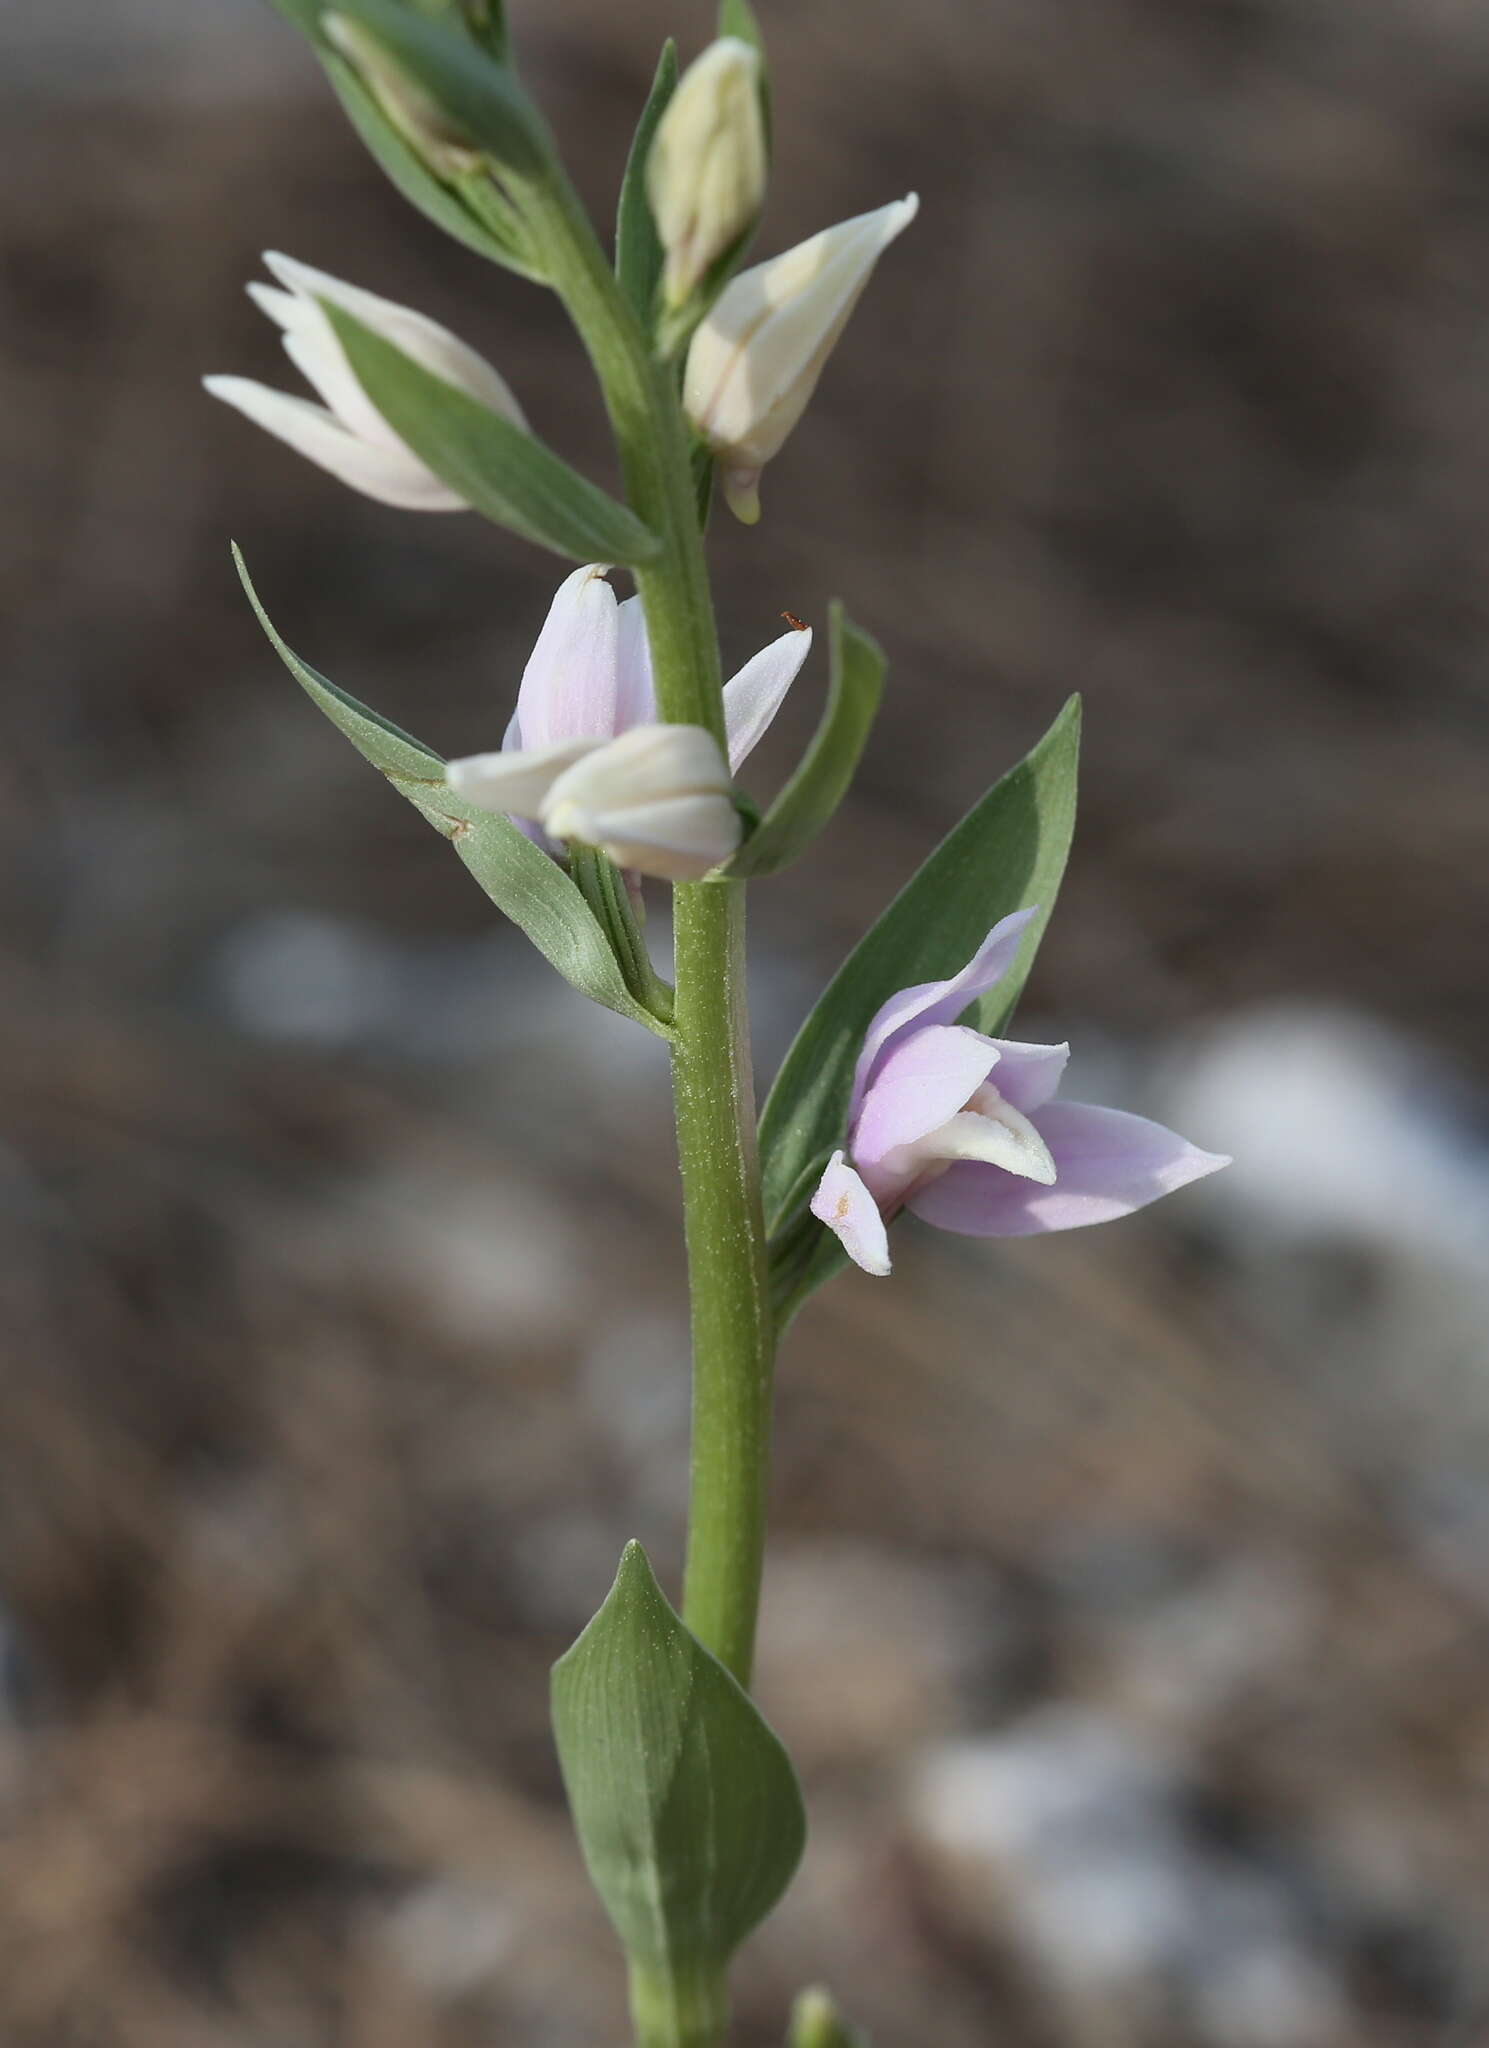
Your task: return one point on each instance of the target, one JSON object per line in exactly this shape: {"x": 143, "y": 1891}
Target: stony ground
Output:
{"x": 1128, "y": 1612}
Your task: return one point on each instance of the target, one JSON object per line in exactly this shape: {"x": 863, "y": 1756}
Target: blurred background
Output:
{"x": 1128, "y": 1609}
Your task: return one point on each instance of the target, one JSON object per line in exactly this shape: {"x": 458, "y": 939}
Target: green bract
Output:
{"x": 469, "y": 208}
{"x": 638, "y": 248}
{"x": 498, "y": 468}
{"x": 686, "y": 1804}
{"x": 521, "y": 880}
{"x": 474, "y": 91}
{"x": 823, "y": 777}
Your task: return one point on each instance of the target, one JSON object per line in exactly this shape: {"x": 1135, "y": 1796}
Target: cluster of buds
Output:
{"x": 757, "y": 350}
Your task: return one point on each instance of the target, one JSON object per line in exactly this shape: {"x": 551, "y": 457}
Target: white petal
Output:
{"x": 649, "y": 764}
{"x": 635, "y": 689}
{"x": 755, "y": 361}
{"x": 429, "y": 344}
{"x": 754, "y": 696}
{"x": 678, "y": 839}
{"x": 993, "y": 1131}
{"x": 516, "y": 782}
{"x": 845, "y": 1205}
{"x": 569, "y": 685}
{"x": 392, "y": 476}
{"x": 283, "y": 308}
{"x": 312, "y": 347}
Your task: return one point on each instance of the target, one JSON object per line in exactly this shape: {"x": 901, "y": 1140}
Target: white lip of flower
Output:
{"x": 658, "y": 799}
{"x": 347, "y": 435}
{"x": 705, "y": 176}
{"x": 988, "y": 1129}
{"x": 754, "y": 362}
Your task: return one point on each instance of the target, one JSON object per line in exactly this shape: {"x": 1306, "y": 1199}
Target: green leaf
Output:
{"x": 686, "y": 1805}
{"x": 418, "y": 184}
{"x": 519, "y": 877}
{"x": 1007, "y": 853}
{"x": 738, "y": 18}
{"x": 817, "y": 2023}
{"x": 498, "y": 468}
{"x": 482, "y": 19}
{"x": 827, "y": 768}
{"x": 478, "y": 95}
{"x": 638, "y": 247}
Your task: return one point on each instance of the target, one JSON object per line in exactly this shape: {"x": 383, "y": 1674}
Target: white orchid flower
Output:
{"x": 347, "y": 435}
{"x": 587, "y": 682}
{"x": 754, "y": 362}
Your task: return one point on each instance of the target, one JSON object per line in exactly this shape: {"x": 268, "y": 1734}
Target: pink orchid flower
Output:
{"x": 963, "y": 1130}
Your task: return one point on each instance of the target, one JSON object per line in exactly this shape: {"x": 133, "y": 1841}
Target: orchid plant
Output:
{"x": 617, "y": 766}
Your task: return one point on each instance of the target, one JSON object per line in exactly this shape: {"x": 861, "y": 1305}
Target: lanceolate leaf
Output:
{"x": 821, "y": 781}
{"x": 638, "y": 248}
{"x": 498, "y": 468}
{"x": 436, "y": 201}
{"x": 1007, "y": 853}
{"x": 686, "y": 1805}
{"x": 519, "y": 877}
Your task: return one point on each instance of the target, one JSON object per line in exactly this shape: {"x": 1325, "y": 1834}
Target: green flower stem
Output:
{"x": 733, "y": 1333}
{"x": 680, "y": 2007}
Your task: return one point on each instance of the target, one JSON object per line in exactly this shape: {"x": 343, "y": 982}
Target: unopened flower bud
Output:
{"x": 817, "y": 2023}
{"x": 415, "y": 113}
{"x": 658, "y": 799}
{"x": 705, "y": 176}
{"x": 755, "y": 360}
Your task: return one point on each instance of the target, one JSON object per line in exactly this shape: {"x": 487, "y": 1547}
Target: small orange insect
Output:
{"x": 792, "y": 620}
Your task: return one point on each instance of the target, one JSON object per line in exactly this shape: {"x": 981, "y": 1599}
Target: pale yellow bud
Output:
{"x": 754, "y": 363}
{"x": 705, "y": 176}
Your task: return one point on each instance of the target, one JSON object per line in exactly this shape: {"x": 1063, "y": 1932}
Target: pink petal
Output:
{"x": 1109, "y": 1163}
{"x": 1028, "y": 1075}
{"x": 845, "y": 1205}
{"x": 940, "y": 1002}
{"x": 569, "y": 685}
{"x": 922, "y": 1081}
{"x": 754, "y": 696}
